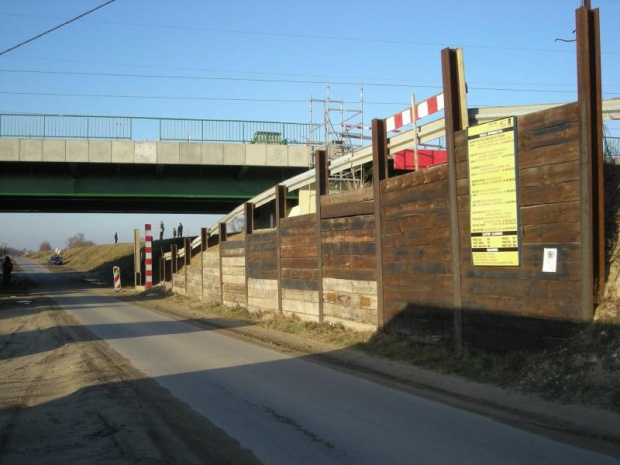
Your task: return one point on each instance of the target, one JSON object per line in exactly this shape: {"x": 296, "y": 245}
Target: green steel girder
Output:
{"x": 99, "y": 187}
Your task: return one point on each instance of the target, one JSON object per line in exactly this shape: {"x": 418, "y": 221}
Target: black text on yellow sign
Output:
{"x": 494, "y": 212}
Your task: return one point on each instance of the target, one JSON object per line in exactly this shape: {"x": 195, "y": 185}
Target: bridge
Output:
{"x": 68, "y": 163}
{"x": 57, "y": 163}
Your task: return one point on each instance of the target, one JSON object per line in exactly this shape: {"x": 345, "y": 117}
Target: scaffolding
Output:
{"x": 341, "y": 131}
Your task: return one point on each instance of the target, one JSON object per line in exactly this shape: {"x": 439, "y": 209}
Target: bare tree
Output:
{"x": 78, "y": 241}
{"x": 45, "y": 247}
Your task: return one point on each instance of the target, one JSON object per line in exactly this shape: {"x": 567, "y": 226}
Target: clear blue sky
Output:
{"x": 265, "y": 60}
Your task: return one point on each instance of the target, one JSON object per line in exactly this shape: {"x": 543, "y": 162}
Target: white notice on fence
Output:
{"x": 550, "y": 261}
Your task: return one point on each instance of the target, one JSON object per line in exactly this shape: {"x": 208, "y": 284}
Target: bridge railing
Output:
{"x": 39, "y": 126}
{"x": 65, "y": 127}
{"x": 248, "y": 132}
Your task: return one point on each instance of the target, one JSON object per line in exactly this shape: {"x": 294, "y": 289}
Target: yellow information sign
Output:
{"x": 494, "y": 211}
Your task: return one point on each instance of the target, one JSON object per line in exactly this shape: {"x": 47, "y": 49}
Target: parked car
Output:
{"x": 55, "y": 260}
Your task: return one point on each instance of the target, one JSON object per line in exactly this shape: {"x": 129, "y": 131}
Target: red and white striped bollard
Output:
{"x": 148, "y": 259}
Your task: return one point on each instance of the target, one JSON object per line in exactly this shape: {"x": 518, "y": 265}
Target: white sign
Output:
{"x": 550, "y": 260}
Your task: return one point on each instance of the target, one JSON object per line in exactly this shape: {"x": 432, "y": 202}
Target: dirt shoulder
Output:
{"x": 65, "y": 396}
{"x": 571, "y": 423}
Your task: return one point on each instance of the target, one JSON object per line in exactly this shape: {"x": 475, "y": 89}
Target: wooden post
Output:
{"x": 223, "y": 237}
{"x": 173, "y": 263}
{"x": 162, "y": 269}
{"x": 187, "y": 246}
{"x": 248, "y": 210}
{"x": 280, "y": 213}
{"x": 379, "y": 173}
{"x": 204, "y": 239}
{"x": 455, "y": 107}
{"x": 591, "y": 157}
{"x": 204, "y": 245}
{"x": 321, "y": 183}
{"x": 187, "y": 258}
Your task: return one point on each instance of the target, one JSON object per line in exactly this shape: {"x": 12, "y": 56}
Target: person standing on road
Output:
{"x": 180, "y": 230}
{"x": 116, "y": 238}
{"x": 7, "y": 268}
{"x": 161, "y": 230}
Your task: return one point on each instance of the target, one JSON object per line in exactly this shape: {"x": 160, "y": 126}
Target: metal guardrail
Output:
{"x": 39, "y": 126}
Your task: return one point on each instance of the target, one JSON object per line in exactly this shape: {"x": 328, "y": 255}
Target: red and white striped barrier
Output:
{"x": 116, "y": 271}
{"x": 423, "y": 109}
{"x": 148, "y": 260}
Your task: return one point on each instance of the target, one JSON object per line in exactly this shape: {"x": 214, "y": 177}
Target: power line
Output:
{"x": 213, "y": 78}
{"x": 171, "y": 97}
{"x": 56, "y": 28}
{"x": 362, "y": 79}
{"x": 316, "y": 36}
{"x": 278, "y": 81}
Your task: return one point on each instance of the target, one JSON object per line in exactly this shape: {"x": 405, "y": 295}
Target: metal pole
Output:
{"x": 414, "y": 120}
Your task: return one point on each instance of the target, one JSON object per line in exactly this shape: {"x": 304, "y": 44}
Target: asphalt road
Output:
{"x": 291, "y": 411}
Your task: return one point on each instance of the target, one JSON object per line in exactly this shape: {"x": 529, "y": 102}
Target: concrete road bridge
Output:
{"x": 96, "y": 164}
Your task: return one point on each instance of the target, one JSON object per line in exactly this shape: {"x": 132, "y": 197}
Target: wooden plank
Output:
{"x": 347, "y": 262}
{"x": 432, "y": 252}
{"x": 229, "y": 277}
{"x": 562, "y": 152}
{"x": 349, "y": 224}
{"x": 414, "y": 179}
{"x": 233, "y": 262}
{"x": 350, "y": 286}
{"x": 296, "y": 221}
{"x": 352, "y": 236}
{"x": 299, "y": 252}
{"x": 565, "y": 212}
{"x": 439, "y": 219}
{"x": 351, "y": 248}
{"x": 348, "y": 197}
{"x": 522, "y": 289}
{"x": 300, "y": 308}
{"x": 549, "y": 174}
{"x": 299, "y": 241}
{"x": 263, "y": 284}
{"x": 551, "y": 117}
{"x": 233, "y": 245}
{"x": 420, "y": 194}
{"x": 352, "y": 273}
{"x": 347, "y": 209}
{"x": 301, "y": 263}
{"x": 300, "y": 285}
{"x": 566, "y": 192}
{"x": 300, "y": 273}
{"x": 555, "y": 233}
{"x": 410, "y": 209}
{"x": 421, "y": 237}
{"x": 350, "y": 312}
{"x": 300, "y": 295}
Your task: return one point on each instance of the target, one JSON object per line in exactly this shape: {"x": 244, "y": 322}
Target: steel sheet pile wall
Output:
{"x": 349, "y": 265}
{"x": 502, "y": 304}
{"x": 417, "y": 258}
{"x": 299, "y": 262}
{"x": 212, "y": 289}
{"x": 262, "y": 270}
{"x": 233, "y": 273}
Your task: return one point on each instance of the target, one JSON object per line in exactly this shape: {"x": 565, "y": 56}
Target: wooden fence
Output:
{"x": 397, "y": 256}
